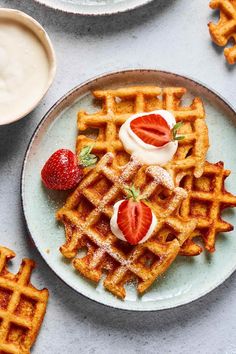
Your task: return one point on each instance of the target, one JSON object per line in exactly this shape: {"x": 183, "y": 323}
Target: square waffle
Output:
{"x": 118, "y": 105}
{"x": 86, "y": 217}
{"x": 22, "y": 306}
{"x": 225, "y": 29}
{"x": 206, "y": 199}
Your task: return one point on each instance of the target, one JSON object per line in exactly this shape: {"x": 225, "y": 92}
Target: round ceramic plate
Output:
{"x": 94, "y": 7}
{"x": 188, "y": 278}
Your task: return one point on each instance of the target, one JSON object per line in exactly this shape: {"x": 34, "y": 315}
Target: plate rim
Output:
{"x": 90, "y": 13}
{"x": 31, "y": 141}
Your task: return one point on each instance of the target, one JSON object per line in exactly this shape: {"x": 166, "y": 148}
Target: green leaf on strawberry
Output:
{"x": 175, "y": 132}
{"x": 87, "y": 159}
{"x": 133, "y": 193}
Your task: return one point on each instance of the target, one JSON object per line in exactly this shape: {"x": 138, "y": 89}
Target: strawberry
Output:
{"x": 154, "y": 130}
{"x": 63, "y": 170}
{"x": 134, "y": 218}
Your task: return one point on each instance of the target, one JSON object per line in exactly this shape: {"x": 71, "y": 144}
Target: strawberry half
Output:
{"x": 152, "y": 129}
{"x": 134, "y": 220}
{"x": 61, "y": 171}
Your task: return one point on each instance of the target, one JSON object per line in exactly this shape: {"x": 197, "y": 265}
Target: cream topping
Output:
{"x": 146, "y": 153}
{"x": 117, "y": 231}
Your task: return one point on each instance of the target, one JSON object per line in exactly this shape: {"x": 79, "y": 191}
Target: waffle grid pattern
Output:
{"x": 86, "y": 217}
{"x": 207, "y": 198}
{"x": 225, "y": 29}
{"x": 119, "y": 105}
{"x": 22, "y": 307}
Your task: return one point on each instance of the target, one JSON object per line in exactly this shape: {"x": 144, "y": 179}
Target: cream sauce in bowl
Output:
{"x": 27, "y": 65}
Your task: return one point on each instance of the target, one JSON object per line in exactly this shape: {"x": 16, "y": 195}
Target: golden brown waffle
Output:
{"x": 86, "y": 217}
{"x": 206, "y": 200}
{"x": 225, "y": 29}
{"x": 118, "y": 105}
{"x": 22, "y": 306}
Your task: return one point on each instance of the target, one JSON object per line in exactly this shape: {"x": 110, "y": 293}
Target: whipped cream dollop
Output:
{"x": 146, "y": 153}
{"x": 117, "y": 231}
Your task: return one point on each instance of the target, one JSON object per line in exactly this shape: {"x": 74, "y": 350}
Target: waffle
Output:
{"x": 225, "y": 29}
{"x": 207, "y": 198}
{"x": 86, "y": 217}
{"x": 118, "y": 105}
{"x": 22, "y": 306}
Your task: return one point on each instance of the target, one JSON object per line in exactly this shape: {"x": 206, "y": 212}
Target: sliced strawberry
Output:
{"x": 134, "y": 220}
{"x": 152, "y": 129}
{"x": 61, "y": 171}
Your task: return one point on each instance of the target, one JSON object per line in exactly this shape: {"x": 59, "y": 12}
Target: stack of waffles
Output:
{"x": 187, "y": 195}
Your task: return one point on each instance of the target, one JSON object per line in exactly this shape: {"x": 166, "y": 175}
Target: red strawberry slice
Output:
{"x": 61, "y": 171}
{"x": 152, "y": 129}
{"x": 134, "y": 220}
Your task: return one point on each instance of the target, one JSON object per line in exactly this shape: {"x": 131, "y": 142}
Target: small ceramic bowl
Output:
{"x": 18, "y": 17}
{"x": 94, "y": 7}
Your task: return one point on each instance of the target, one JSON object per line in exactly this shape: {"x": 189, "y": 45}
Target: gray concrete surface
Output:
{"x": 166, "y": 34}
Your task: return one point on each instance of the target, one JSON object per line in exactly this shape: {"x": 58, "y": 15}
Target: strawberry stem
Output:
{"x": 133, "y": 193}
{"x": 86, "y": 158}
{"x": 174, "y": 132}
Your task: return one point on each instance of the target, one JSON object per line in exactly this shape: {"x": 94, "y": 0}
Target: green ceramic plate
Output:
{"x": 94, "y": 7}
{"x": 188, "y": 278}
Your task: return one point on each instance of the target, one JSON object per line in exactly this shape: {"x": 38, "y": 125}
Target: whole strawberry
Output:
{"x": 63, "y": 170}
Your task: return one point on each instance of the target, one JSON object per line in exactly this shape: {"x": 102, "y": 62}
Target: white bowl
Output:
{"x": 40, "y": 33}
{"x": 94, "y": 7}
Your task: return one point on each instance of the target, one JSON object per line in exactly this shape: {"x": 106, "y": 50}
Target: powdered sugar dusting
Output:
{"x": 106, "y": 245}
{"x": 118, "y": 99}
{"x": 179, "y": 195}
{"x": 161, "y": 176}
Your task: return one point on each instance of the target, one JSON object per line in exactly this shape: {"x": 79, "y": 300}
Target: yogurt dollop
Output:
{"x": 146, "y": 153}
{"x": 119, "y": 234}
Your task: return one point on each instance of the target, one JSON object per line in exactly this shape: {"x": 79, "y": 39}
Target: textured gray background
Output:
{"x": 167, "y": 34}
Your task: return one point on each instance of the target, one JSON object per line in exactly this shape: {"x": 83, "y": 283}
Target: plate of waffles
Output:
{"x": 125, "y": 192}
{"x": 94, "y": 7}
